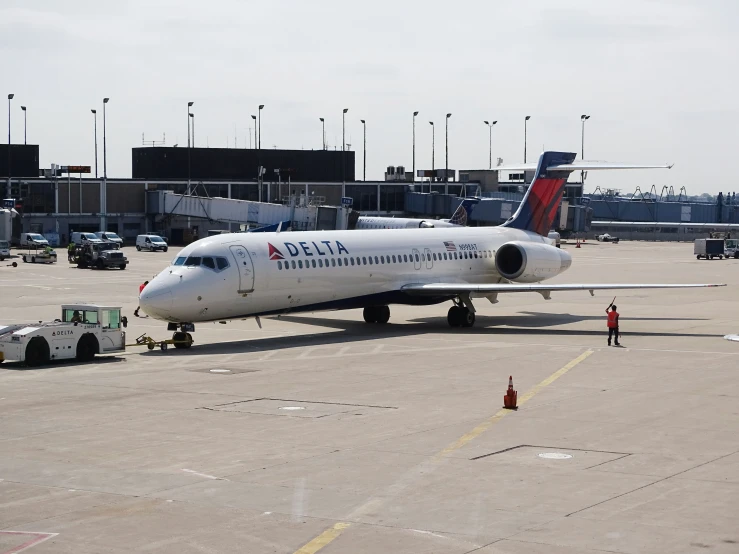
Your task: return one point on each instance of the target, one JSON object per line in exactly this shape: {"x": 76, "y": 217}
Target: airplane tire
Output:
{"x": 382, "y": 314}
{"x": 182, "y": 340}
{"x": 454, "y": 316}
{"x": 370, "y": 314}
{"x": 467, "y": 317}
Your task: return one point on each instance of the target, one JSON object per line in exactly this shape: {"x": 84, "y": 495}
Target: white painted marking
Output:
{"x": 291, "y": 408}
{"x": 429, "y": 533}
{"x": 555, "y": 456}
{"x": 267, "y": 513}
{"x": 220, "y": 371}
{"x": 732, "y": 337}
{"x": 202, "y": 474}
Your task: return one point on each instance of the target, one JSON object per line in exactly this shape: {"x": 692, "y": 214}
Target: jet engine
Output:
{"x": 530, "y": 262}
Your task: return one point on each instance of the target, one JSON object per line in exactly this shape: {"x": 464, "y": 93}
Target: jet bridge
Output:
{"x": 303, "y": 216}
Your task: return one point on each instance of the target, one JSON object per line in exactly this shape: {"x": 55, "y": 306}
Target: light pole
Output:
{"x": 583, "y": 119}
{"x": 10, "y": 97}
{"x": 433, "y": 148}
{"x": 525, "y": 121}
{"x": 25, "y": 126}
{"x": 192, "y": 116}
{"x": 95, "y": 116}
{"x": 323, "y": 133}
{"x": 343, "y": 152}
{"x": 446, "y": 145}
{"x": 259, "y": 124}
{"x": 364, "y": 162}
{"x": 254, "y": 117}
{"x": 189, "y": 164}
{"x": 104, "y": 195}
{"x": 414, "y": 146}
{"x": 490, "y": 128}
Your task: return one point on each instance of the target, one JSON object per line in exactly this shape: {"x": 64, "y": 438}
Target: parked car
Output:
{"x": 33, "y": 240}
{"x": 605, "y": 237}
{"x": 151, "y": 243}
{"x": 107, "y": 236}
{"x": 85, "y": 238}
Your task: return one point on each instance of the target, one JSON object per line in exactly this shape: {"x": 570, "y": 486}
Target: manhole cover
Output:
{"x": 220, "y": 371}
{"x": 555, "y": 456}
{"x": 732, "y": 337}
{"x": 292, "y": 408}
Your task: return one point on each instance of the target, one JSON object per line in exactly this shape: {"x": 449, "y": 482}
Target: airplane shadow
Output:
{"x": 530, "y": 323}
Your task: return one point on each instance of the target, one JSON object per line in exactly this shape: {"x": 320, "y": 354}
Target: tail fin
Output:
{"x": 461, "y": 215}
{"x": 539, "y": 205}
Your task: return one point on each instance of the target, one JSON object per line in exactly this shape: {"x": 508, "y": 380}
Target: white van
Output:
{"x": 4, "y": 250}
{"x": 84, "y": 238}
{"x": 33, "y": 240}
{"x": 107, "y": 236}
{"x": 151, "y": 243}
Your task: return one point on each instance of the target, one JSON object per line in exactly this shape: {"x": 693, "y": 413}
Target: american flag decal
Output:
{"x": 450, "y": 247}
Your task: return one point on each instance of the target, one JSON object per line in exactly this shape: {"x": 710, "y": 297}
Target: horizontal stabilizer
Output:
{"x": 581, "y": 166}
{"x": 453, "y": 289}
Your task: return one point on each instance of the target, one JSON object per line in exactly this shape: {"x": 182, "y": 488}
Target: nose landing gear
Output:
{"x": 182, "y": 340}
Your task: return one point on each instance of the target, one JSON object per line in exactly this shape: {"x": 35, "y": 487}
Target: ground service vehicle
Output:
{"x": 109, "y": 237}
{"x": 708, "y": 248}
{"x": 151, "y": 243}
{"x": 33, "y": 240}
{"x": 82, "y": 238}
{"x": 45, "y": 256}
{"x": 83, "y": 331}
{"x": 98, "y": 256}
{"x": 4, "y": 250}
{"x": 605, "y": 237}
{"x": 731, "y": 248}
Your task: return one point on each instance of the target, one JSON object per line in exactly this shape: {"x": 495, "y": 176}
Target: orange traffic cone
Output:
{"x": 578, "y": 244}
{"x": 511, "y": 396}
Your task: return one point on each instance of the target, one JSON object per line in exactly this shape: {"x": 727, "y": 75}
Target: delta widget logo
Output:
{"x": 274, "y": 253}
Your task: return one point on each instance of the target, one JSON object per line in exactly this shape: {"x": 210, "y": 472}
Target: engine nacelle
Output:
{"x": 530, "y": 262}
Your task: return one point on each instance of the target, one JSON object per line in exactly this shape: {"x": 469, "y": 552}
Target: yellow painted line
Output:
{"x": 330, "y": 534}
{"x": 324, "y": 539}
{"x": 500, "y": 414}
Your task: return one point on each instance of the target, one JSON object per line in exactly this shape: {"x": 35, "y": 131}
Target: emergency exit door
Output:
{"x": 246, "y": 268}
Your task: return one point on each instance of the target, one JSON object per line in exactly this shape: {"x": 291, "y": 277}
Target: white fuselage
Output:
{"x": 367, "y": 222}
{"x": 272, "y": 273}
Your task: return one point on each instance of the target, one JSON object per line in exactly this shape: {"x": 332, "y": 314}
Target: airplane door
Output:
{"x": 429, "y": 260}
{"x": 416, "y": 259}
{"x": 246, "y": 268}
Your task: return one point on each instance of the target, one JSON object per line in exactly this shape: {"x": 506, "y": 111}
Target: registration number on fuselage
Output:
{"x": 468, "y": 247}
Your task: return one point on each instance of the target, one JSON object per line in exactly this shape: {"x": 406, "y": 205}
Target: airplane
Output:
{"x": 459, "y": 219}
{"x": 240, "y": 276}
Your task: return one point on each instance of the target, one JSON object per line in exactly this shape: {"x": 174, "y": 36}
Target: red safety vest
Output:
{"x": 141, "y": 287}
{"x": 612, "y": 320}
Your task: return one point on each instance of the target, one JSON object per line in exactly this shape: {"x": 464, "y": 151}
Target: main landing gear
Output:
{"x": 462, "y": 314}
{"x": 376, "y": 314}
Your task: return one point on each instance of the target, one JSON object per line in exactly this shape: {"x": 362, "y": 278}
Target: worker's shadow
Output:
{"x": 352, "y": 331}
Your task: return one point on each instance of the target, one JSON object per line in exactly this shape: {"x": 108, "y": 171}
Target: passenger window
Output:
{"x": 377, "y": 262}
{"x": 382, "y": 259}
{"x": 475, "y": 253}
{"x": 333, "y": 262}
{"x": 300, "y": 264}
{"x": 339, "y": 262}
{"x": 209, "y": 263}
{"x": 351, "y": 260}
{"x": 418, "y": 258}
{"x": 370, "y": 260}
{"x": 405, "y": 258}
{"x": 423, "y": 257}
{"x": 320, "y": 262}
{"x": 293, "y": 264}
{"x": 180, "y": 261}
{"x": 314, "y": 263}
{"x": 455, "y": 255}
{"x": 279, "y": 265}
{"x": 434, "y": 256}
{"x": 364, "y": 260}
{"x": 287, "y": 264}
{"x": 222, "y": 263}
{"x": 393, "y": 259}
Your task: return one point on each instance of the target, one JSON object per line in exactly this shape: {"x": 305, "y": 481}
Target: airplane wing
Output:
{"x": 580, "y": 166}
{"x": 453, "y": 289}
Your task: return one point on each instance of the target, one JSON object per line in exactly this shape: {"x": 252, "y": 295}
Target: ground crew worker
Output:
{"x": 612, "y": 324}
{"x": 76, "y": 317}
{"x": 70, "y": 252}
{"x": 141, "y": 289}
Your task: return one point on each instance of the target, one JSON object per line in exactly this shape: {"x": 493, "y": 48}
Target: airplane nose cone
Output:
{"x": 156, "y": 300}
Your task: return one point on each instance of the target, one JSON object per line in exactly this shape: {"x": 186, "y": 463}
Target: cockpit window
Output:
{"x": 193, "y": 261}
{"x": 222, "y": 263}
{"x": 209, "y": 263}
{"x": 180, "y": 261}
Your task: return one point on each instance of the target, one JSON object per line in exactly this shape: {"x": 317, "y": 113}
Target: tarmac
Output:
{"x": 320, "y": 433}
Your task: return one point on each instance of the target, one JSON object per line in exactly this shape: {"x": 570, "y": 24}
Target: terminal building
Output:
{"x": 305, "y": 189}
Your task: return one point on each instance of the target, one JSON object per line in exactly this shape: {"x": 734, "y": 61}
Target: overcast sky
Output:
{"x": 658, "y": 78}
